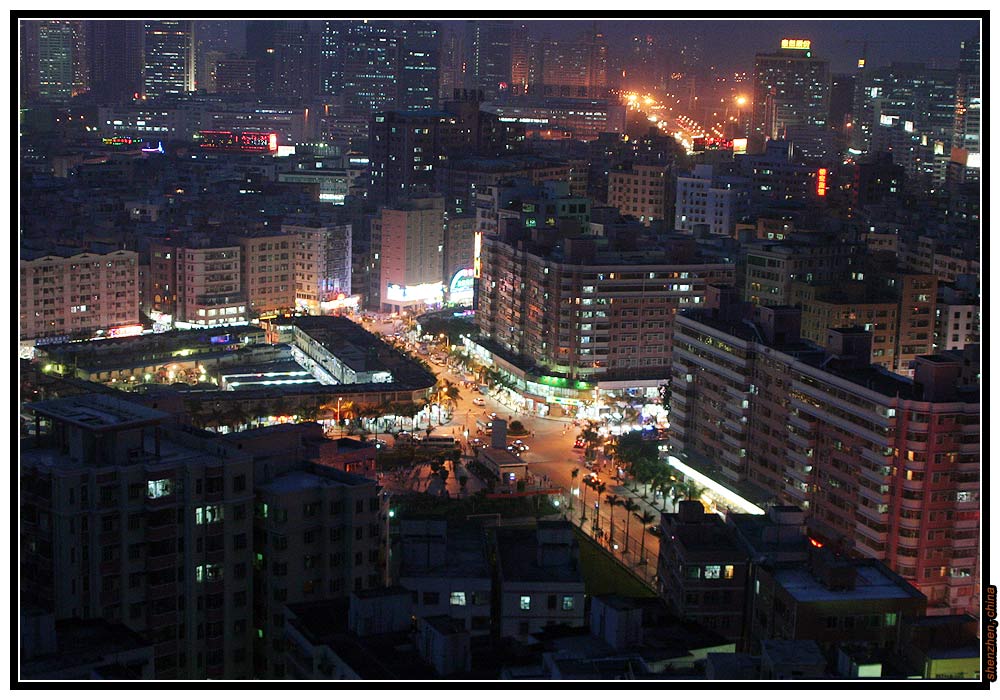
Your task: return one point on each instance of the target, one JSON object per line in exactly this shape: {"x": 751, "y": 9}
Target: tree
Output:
{"x": 600, "y": 488}
{"x": 462, "y": 481}
{"x": 612, "y": 500}
{"x": 646, "y": 519}
{"x": 590, "y": 437}
{"x": 687, "y": 491}
{"x": 630, "y": 508}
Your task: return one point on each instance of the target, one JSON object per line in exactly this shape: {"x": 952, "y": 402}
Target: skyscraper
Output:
{"x": 169, "y": 58}
{"x": 489, "y": 45}
{"x": 791, "y": 94}
{"x": 909, "y": 109}
{"x": 260, "y": 48}
{"x": 968, "y": 103}
{"x": 371, "y": 67}
{"x": 55, "y": 60}
{"x": 419, "y": 61}
{"x": 115, "y": 48}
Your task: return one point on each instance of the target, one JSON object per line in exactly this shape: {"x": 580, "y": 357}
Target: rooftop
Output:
{"x": 517, "y": 555}
{"x": 98, "y": 412}
{"x": 464, "y": 555}
{"x": 872, "y": 583}
{"x": 377, "y": 657}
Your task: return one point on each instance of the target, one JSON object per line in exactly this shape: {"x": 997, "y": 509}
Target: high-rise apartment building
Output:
{"x": 168, "y": 68}
{"x": 886, "y": 467}
{"x": 322, "y": 262}
{"x": 791, "y": 95}
{"x": 645, "y": 191}
{"x": 411, "y": 235}
{"x": 565, "y": 68}
{"x": 126, "y": 519}
{"x": 267, "y": 276}
{"x": 710, "y": 199}
{"x": 78, "y": 293}
{"x": 198, "y": 282}
{"x": 897, "y": 308}
{"x": 580, "y": 312}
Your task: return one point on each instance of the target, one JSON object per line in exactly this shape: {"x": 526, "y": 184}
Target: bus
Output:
{"x": 437, "y": 441}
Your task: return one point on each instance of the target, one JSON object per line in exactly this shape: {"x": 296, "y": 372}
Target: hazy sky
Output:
{"x": 733, "y": 43}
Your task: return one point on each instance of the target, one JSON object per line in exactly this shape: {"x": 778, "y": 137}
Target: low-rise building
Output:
{"x": 539, "y": 578}
{"x": 702, "y": 570}
{"x": 446, "y": 569}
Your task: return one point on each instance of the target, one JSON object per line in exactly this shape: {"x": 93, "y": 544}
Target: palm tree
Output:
{"x": 646, "y": 519}
{"x": 687, "y": 491}
{"x": 585, "y": 484}
{"x": 600, "y": 488}
{"x": 612, "y": 500}
{"x": 630, "y": 507}
{"x": 573, "y": 473}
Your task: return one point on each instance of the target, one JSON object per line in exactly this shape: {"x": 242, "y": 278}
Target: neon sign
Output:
{"x": 242, "y": 141}
{"x": 797, "y": 44}
{"x": 477, "y": 265}
{"x": 821, "y": 182}
{"x": 125, "y": 331}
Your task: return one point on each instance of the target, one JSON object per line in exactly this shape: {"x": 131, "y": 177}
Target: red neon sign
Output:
{"x": 816, "y": 543}
{"x": 821, "y": 182}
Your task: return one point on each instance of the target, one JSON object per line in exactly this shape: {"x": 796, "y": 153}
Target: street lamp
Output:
{"x": 339, "y": 399}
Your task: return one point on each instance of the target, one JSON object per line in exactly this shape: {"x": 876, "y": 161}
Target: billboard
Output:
{"x": 239, "y": 141}
{"x": 477, "y": 265}
{"x": 821, "y": 182}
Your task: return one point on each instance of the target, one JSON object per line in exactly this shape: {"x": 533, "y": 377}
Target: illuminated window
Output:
{"x": 526, "y": 602}
{"x": 728, "y": 571}
{"x": 159, "y": 488}
{"x": 458, "y": 598}
{"x": 567, "y": 602}
{"x": 713, "y": 571}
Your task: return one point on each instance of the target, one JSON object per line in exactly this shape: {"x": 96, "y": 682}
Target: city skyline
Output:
{"x": 501, "y": 350}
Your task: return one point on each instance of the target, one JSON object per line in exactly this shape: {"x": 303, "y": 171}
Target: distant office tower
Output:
{"x": 296, "y": 53}
{"x": 261, "y": 48}
{"x": 791, "y": 94}
{"x": 236, "y": 76}
{"x": 419, "y": 61}
{"x": 81, "y": 57}
{"x": 909, "y": 109}
{"x": 213, "y": 40}
{"x": 489, "y": 57}
{"x": 371, "y": 67}
{"x": 966, "y": 154}
{"x": 841, "y": 100}
{"x": 576, "y": 68}
{"x": 55, "y": 60}
{"x": 412, "y": 241}
{"x": 453, "y": 63}
{"x": 711, "y": 199}
{"x": 115, "y": 59}
{"x": 645, "y": 191}
{"x": 332, "y": 57}
{"x": 169, "y": 58}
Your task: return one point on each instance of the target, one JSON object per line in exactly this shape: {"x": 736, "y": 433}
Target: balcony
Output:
{"x": 157, "y": 620}
{"x": 163, "y": 590}
{"x": 165, "y": 648}
{"x": 110, "y": 597}
{"x": 159, "y": 563}
{"x": 161, "y": 532}
{"x": 111, "y": 567}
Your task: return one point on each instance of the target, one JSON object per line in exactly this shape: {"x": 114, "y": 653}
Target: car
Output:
{"x": 578, "y": 445}
{"x": 477, "y": 401}
{"x": 521, "y": 445}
